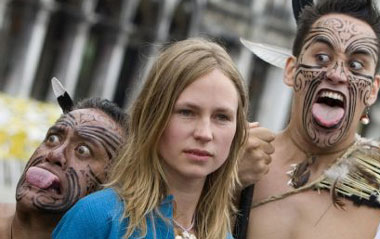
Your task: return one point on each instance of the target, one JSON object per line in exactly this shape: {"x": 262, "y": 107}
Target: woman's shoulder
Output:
{"x": 95, "y": 214}
{"x": 106, "y": 200}
{"x": 104, "y": 194}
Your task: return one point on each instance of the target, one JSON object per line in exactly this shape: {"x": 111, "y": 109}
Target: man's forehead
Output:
{"x": 83, "y": 117}
{"x": 344, "y": 25}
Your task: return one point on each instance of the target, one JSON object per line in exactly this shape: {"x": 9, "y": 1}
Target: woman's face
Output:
{"x": 201, "y": 128}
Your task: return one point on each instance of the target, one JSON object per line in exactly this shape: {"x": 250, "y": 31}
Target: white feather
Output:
{"x": 58, "y": 88}
{"x": 338, "y": 171}
{"x": 365, "y": 141}
{"x": 273, "y": 55}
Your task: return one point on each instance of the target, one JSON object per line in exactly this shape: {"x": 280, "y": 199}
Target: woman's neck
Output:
{"x": 186, "y": 194}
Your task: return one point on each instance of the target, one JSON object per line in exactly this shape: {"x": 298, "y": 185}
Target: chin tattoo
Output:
{"x": 52, "y": 203}
{"x": 61, "y": 203}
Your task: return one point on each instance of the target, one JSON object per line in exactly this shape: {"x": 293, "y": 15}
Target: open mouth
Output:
{"x": 55, "y": 187}
{"x": 329, "y": 109}
{"x": 43, "y": 179}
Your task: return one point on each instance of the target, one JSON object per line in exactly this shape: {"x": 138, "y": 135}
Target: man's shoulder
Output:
{"x": 7, "y": 211}
{"x": 100, "y": 210}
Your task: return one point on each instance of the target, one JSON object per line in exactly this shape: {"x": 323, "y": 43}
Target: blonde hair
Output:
{"x": 138, "y": 175}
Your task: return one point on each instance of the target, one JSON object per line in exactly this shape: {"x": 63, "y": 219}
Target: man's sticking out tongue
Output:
{"x": 327, "y": 116}
{"x": 40, "y": 178}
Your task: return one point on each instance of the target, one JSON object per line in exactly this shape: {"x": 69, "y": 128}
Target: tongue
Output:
{"x": 40, "y": 178}
{"x": 327, "y": 116}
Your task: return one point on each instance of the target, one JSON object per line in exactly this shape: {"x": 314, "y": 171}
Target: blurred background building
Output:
{"x": 104, "y": 48}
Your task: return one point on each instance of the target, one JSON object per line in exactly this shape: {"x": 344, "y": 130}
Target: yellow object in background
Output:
{"x": 23, "y": 125}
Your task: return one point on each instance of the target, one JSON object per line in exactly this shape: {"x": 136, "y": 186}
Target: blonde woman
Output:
{"x": 177, "y": 172}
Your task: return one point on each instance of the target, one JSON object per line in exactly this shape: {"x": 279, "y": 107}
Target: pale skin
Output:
{"x": 334, "y": 61}
{"x": 77, "y": 150}
{"x": 197, "y": 139}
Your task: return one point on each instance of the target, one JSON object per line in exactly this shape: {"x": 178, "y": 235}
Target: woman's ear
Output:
{"x": 290, "y": 68}
{"x": 374, "y": 90}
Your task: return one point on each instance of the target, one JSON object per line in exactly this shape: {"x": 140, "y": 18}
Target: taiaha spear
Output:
{"x": 242, "y": 219}
{"x": 63, "y": 98}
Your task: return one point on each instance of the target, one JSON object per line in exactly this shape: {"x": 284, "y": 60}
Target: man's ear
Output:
{"x": 290, "y": 69}
{"x": 374, "y": 90}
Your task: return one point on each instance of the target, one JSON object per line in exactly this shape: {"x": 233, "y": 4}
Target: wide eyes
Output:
{"x": 322, "y": 59}
{"x": 83, "y": 150}
{"x": 52, "y": 139}
{"x": 356, "y": 65}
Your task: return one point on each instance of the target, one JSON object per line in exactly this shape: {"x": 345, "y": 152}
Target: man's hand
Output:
{"x": 257, "y": 156}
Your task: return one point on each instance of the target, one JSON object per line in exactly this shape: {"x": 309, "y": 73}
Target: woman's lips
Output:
{"x": 197, "y": 154}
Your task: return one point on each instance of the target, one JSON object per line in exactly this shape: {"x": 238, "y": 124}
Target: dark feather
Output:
{"x": 337, "y": 201}
{"x": 301, "y": 173}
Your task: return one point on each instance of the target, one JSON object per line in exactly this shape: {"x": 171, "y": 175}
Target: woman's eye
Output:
{"x": 355, "y": 65}
{"x": 185, "y": 112}
{"x": 322, "y": 58}
{"x": 52, "y": 139}
{"x": 223, "y": 117}
{"x": 83, "y": 150}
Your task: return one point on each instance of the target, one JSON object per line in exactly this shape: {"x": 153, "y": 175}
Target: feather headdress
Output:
{"x": 63, "y": 98}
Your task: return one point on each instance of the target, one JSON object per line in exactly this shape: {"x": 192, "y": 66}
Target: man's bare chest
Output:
{"x": 310, "y": 214}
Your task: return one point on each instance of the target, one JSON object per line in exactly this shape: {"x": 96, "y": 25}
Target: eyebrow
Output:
{"x": 194, "y": 106}
{"x": 369, "y": 49}
{"x": 363, "y": 52}
{"x": 323, "y": 40}
{"x": 67, "y": 120}
{"x": 57, "y": 129}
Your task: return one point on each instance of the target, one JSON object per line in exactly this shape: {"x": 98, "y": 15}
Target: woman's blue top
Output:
{"x": 99, "y": 216}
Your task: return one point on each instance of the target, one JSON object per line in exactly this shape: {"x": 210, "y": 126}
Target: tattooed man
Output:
{"x": 334, "y": 78}
{"x": 70, "y": 163}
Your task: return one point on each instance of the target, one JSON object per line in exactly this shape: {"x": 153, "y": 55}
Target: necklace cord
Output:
{"x": 306, "y": 187}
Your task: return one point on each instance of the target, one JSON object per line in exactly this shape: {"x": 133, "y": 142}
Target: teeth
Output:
{"x": 332, "y": 95}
